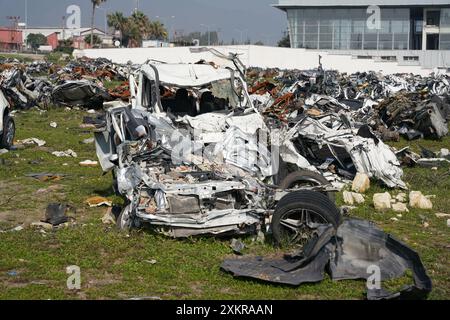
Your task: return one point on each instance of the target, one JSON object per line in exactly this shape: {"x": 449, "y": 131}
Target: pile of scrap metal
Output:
{"x": 393, "y": 105}
{"x": 412, "y": 116}
{"x": 22, "y": 91}
{"x": 194, "y": 155}
{"x": 78, "y": 83}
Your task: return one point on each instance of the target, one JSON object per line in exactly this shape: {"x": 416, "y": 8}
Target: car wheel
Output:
{"x": 306, "y": 178}
{"x": 298, "y": 214}
{"x": 9, "y": 131}
{"x": 124, "y": 220}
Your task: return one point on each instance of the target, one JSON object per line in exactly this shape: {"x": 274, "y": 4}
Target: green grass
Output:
{"x": 113, "y": 264}
{"x": 19, "y": 57}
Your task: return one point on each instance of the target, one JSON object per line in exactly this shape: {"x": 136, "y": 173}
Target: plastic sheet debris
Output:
{"x": 68, "y": 153}
{"x": 354, "y": 240}
{"x": 88, "y": 163}
{"x": 32, "y": 141}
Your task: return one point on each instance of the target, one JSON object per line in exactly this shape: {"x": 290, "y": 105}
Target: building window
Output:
{"x": 346, "y": 29}
{"x": 444, "y": 39}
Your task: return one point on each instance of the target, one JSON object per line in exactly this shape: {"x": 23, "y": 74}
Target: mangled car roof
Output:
{"x": 187, "y": 75}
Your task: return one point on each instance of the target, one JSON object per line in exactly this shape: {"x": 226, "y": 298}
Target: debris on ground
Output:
{"x": 354, "y": 240}
{"x": 68, "y": 153}
{"x": 152, "y": 261}
{"x": 88, "y": 141}
{"x": 32, "y": 141}
{"x": 44, "y": 225}
{"x": 88, "y": 163}
{"x": 55, "y": 214}
{"x": 237, "y": 246}
{"x": 98, "y": 202}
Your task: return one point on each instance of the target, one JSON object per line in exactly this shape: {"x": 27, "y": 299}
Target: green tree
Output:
{"x": 95, "y": 4}
{"x": 158, "y": 31}
{"x": 120, "y": 23}
{"x": 35, "y": 40}
{"x": 65, "y": 46}
{"x": 285, "y": 42}
{"x": 135, "y": 28}
{"x": 97, "y": 39}
{"x": 140, "y": 24}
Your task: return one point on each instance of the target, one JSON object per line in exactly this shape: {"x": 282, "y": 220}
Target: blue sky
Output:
{"x": 255, "y": 18}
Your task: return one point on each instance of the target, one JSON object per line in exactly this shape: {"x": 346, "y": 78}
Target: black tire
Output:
{"x": 9, "y": 131}
{"x": 305, "y": 177}
{"x": 314, "y": 207}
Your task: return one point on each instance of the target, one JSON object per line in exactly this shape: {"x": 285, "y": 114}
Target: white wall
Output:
{"x": 254, "y": 56}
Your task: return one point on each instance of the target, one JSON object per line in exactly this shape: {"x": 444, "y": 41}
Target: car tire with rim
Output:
{"x": 299, "y": 213}
{"x": 9, "y": 131}
{"x": 124, "y": 220}
{"x": 305, "y": 177}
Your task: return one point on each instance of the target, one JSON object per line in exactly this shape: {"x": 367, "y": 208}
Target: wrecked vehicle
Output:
{"x": 189, "y": 154}
{"x": 193, "y": 155}
{"x": 7, "y": 125}
{"x": 79, "y": 93}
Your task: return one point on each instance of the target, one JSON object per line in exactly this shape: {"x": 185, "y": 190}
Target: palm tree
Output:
{"x": 119, "y": 22}
{"x": 158, "y": 31}
{"x": 139, "y": 20}
{"x": 95, "y": 3}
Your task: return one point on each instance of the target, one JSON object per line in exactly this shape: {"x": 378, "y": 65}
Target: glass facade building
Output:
{"x": 330, "y": 27}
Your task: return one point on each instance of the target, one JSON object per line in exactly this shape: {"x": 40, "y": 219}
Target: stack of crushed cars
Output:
{"x": 80, "y": 83}
{"x": 327, "y": 112}
{"x": 393, "y": 105}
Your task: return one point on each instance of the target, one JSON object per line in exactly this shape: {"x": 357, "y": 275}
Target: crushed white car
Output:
{"x": 193, "y": 155}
